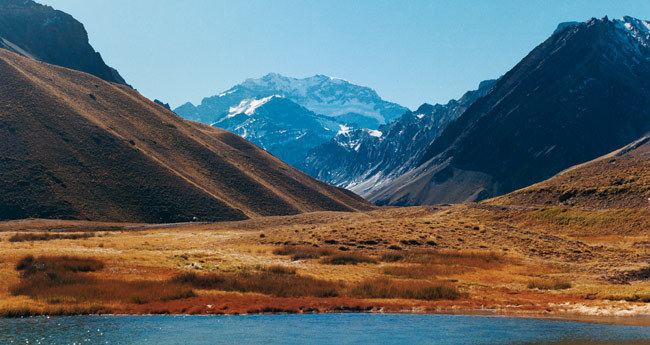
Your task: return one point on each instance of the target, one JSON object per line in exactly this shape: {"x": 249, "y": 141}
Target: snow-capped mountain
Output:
{"x": 364, "y": 159}
{"x": 349, "y": 103}
{"x": 280, "y": 126}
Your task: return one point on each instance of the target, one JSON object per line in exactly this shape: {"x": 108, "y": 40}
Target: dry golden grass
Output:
{"x": 388, "y": 288}
{"x": 490, "y": 253}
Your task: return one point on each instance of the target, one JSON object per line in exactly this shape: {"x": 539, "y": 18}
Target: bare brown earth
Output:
{"x": 73, "y": 146}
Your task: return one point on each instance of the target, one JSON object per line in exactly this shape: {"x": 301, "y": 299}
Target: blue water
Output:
{"x": 307, "y": 329}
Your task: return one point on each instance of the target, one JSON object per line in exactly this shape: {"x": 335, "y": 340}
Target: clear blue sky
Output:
{"x": 409, "y": 51}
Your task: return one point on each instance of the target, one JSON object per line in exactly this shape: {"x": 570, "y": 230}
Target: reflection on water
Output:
{"x": 312, "y": 329}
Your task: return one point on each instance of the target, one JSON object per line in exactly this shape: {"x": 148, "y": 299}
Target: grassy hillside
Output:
{"x": 73, "y": 146}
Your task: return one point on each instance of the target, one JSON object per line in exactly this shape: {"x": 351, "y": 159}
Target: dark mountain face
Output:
{"x": 363, "y": 159}
{"x": 580, "y": 94}
{"x": 45, "y": 34}
{"x": 280, "y": 126}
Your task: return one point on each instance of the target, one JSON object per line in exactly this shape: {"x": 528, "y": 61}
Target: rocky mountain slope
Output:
{"x": 362, "y": 160}
{"x": 323, "y": 95}
{"x": 580, "y": 94}
{"x": 43, "y": 33}
{"x": 73, "y": 146}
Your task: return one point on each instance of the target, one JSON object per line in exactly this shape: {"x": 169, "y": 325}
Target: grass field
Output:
{"x": 461, "y": 258}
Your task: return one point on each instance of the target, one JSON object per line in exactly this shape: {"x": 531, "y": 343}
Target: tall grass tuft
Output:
{"x": 407, "y": 289}
{"x": 347, "y": 259}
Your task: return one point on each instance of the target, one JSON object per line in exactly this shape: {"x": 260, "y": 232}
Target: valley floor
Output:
{"x": 471, "y": 258}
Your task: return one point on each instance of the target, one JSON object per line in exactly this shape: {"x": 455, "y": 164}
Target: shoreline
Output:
{"x": 636, "y": 320}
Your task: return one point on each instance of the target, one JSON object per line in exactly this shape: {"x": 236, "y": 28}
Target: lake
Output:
{"x": 308, "y": 329}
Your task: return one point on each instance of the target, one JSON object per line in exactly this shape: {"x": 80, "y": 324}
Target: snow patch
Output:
{"x": 374, "y": 133}
{"x": 343, "y": 130}
{"x": 420, "y": 116}
{"x": 248, "y": 106}
{"x": 226, "y": 93}
{"x": 638, "y": 29}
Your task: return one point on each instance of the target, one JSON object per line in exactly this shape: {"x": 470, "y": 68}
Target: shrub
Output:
{"x": 391, "y": 257}
{"x": 302, "y": 252}
{"x": 265, "y": 282}
{"x": 347, "y": 259}
{"x": 387, "y": 288}
{"x": 549, "y": 284}
{"x": 279, "y": 269}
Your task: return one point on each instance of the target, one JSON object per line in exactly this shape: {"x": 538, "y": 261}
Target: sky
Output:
{"x": 410, "y": 51}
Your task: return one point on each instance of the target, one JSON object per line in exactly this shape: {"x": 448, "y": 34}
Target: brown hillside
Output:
{"x": 73, "y": 146}
{"x": 620, "y": 179}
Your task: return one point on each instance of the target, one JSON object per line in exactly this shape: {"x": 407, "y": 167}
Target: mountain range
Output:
{"x": 289, "y": 116}
{"x": 78, "y": 143}
{"x": 323, "y": 95}
{"x": 362, "y": 160}
{"x": 578, "y": 95}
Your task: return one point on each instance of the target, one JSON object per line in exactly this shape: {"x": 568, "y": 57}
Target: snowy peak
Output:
{"x": 637, "y": 28}
{"x": 280, "y": 126}
{"x": 291, "y": 85}
{"x": 333, "y": 97}
{"x": 249, "y": 106}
